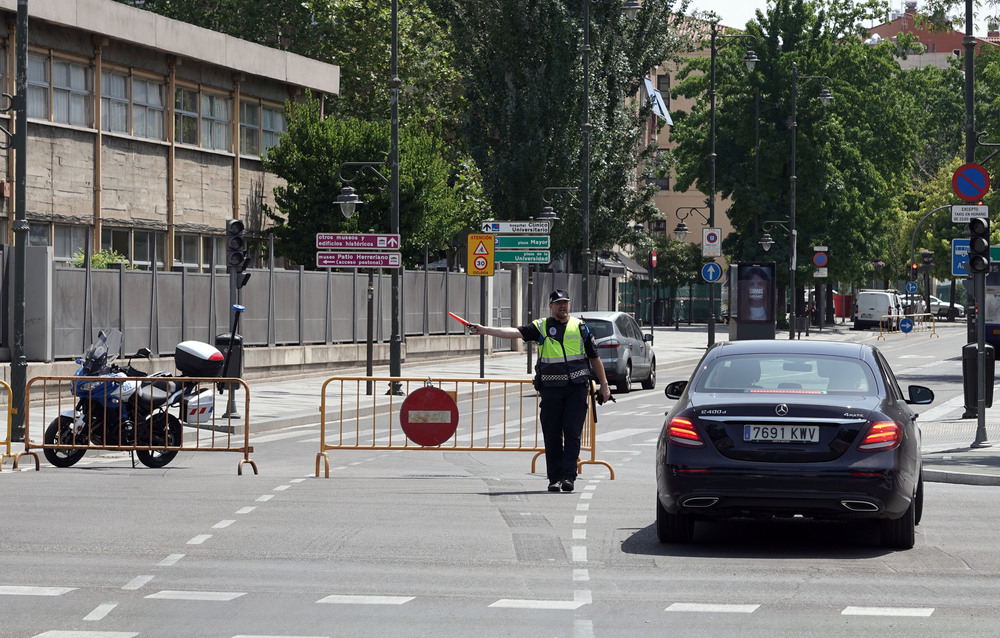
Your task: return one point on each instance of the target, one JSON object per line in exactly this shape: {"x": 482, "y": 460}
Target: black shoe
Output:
{"x": 567, "y": 486}
{"x": 554, "y": 486}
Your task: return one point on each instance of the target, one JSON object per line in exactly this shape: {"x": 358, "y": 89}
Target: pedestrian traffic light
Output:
{"x": 979, "y": 245}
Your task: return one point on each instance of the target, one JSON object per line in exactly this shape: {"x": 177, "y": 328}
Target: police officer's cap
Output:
{"x": 558, "y": 295}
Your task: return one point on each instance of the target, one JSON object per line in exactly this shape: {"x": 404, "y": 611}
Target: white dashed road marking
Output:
{"x": 713, "y": 608}
{"x": 922, "y": 612}
{"x": 212, "y": 596}
{"x": 100, "y": 611}
{"x": 138, "y": 582}
{"x": 15, "y": 590}
{"x": 366, "y": 600}
{"x": 170, "y": 560}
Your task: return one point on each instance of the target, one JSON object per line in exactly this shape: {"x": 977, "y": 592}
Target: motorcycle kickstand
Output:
{"x": 132, "y": 454}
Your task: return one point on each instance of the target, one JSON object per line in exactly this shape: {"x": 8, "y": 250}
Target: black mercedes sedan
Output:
{"x": 772, "y": 429}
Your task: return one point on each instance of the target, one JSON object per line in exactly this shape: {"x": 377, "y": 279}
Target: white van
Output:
{"x": 873, "y": 306}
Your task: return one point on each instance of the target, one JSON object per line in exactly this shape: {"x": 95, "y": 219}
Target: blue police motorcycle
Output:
{"x": 124, "y": 409}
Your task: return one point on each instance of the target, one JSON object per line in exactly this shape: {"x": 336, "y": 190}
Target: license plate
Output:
{"x": 781, "y": 434}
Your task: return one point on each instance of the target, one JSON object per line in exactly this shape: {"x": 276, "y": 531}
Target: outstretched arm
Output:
{"x": 502, "y": 333}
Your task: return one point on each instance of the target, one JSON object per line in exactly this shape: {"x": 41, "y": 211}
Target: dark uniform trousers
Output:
{"x": 562, "y": 413}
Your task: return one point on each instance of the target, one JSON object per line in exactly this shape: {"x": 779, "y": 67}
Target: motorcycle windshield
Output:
{"x": 102, "y": 352}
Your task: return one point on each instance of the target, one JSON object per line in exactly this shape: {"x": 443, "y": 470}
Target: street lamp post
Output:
{"x": 348, "y": 199}
{"x": 750, "y": 59}
{"x": 630, "y": 8}
{"x": 681, "y": 231}
{"x": 766, "y": 242}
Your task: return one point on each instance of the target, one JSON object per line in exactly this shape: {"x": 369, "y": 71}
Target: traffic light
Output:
{"x": 236, "y": 249}
{"x": 913, "y": 272}
{"x": 979, "y": 245}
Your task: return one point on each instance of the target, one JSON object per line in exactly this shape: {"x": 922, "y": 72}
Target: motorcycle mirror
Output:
{"x": 142, "y": 353}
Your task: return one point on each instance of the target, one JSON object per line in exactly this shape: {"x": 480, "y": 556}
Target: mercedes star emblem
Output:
{"x": 781, "y": 409}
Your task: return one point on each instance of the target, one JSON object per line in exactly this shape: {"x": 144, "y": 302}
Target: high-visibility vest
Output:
{"x": 562, "y": 363}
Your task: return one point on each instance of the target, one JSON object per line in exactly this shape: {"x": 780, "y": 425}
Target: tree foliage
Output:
{"x": 435, "y": 200}
{"x": 522, "y": 63}
{"x": 852, "y": 161}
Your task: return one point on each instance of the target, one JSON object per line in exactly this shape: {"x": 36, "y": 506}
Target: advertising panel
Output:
{"x": 755, "y": 292}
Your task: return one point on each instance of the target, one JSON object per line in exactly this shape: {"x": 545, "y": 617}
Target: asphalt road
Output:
{"x": 448, "y": 543}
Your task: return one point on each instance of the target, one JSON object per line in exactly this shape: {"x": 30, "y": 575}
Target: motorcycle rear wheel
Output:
{"x": 166, "y": 432}
{"x": 61, "y": 431}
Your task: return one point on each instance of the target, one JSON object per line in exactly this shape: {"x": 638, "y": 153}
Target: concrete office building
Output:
{"x": 143, "y": 131}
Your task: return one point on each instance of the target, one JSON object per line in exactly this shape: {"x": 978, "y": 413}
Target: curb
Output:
{"x": 960, "y": 478}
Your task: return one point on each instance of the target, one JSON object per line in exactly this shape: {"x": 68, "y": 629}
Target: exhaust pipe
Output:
{"x": 700, "y": 501}
{"x": 860, "y": 506}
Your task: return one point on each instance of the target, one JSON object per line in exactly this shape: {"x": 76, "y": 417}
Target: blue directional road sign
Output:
{"x": 911, "y": 287}
{"x": 711, "y": 272}
{"x": 959, "y": 257}
{"x": 905, "y": 325}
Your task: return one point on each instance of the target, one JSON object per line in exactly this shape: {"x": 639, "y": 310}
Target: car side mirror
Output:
{"x": 675, "y": 389}
{"x": 648, "y": 338}
{"x": 920, "y": 395}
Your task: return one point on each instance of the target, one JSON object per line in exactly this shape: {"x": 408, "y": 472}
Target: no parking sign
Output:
{"x": 711, "y": 242}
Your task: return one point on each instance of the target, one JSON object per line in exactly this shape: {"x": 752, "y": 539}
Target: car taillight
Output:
{"x": 882, "y": 435}
{"x": 681, "y": 432}
{"x": 608, "y": 344}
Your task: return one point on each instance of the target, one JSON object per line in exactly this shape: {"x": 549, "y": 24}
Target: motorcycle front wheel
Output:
{"x": 61, "y": 431}
{"x": 165, "y": 430}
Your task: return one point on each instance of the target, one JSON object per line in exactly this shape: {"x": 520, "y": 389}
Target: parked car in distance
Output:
{"x": 627, "y": 354}
{"x": 939, "y": 309}
{"x": 778, "y": 429}
{"x": 875, "y": 307}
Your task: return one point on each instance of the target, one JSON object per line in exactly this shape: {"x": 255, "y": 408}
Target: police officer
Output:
{"x": 565, "y": 344}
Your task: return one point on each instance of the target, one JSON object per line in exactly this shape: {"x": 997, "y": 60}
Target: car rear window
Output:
{"x": 805, "y": 374}
{"x": 600, "y": 328}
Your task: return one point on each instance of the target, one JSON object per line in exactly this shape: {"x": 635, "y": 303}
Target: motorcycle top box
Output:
{"x": 198, "y": 359}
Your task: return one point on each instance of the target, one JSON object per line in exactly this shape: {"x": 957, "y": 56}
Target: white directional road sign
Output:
{"x": 337, "y": 241}
{"x": 358, "y": 260}
{"x": 515, "y": 228}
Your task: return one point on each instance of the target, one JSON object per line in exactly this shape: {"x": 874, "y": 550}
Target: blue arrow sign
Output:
{"x": 905, "y": 325}
{"x": 911, "y": 287}
{"x": 711, "y": 272}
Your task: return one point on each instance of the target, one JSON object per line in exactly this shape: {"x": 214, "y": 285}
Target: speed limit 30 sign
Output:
{"x": 481, "y": 255}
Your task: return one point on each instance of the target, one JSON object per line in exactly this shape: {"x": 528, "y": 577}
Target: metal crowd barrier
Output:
{"x": 212, "y": 420}
{"x": 5, "y": 443}
{"x": 498, "y": 415}
{"x": 922, "y": 322}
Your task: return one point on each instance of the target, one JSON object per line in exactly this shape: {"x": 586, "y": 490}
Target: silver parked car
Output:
{"x": 627, "y": 354}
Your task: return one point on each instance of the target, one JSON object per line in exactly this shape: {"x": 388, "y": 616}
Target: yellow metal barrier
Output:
{"x": 922, "y": 322}
{"x": 55, "y": 407}
{"x": 5, "y": 444}
{"x": 493, "y": 415}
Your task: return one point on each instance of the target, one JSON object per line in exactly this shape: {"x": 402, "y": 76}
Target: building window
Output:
{"x": 67, "y": 241}
{"x": 71, "y": 93}
{"x": 216, "y": 122}
{"x": 218, "y": 244}
{"x": 663, "y": 86}
{"x": 249, "y": 128}
{"x": 148, "y": 110}
{"x": 272, "y": 125}
{"x": 186, "y": 116}
{"x": 142, "y": 255}
{"x": 38, "y": 234}
{"x": 38, "y": 87}
{"x": 186, "y": 251}
{"x": 114, "y": 102}
{"x": 117, "y": 240}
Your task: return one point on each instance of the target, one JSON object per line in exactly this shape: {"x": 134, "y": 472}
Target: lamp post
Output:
{"x": 766, "y": 242}
{"x": 681, "y": 231}
{"x": 346, "y": 200}
{"x": 630, "y": 8}
{"x": 751, "y": 60}
{"x": 825, "y": 97}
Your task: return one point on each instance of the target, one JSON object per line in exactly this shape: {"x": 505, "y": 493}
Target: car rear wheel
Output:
{"x": 625, "y": 385}
{"x": 673, "y": 528}
{"x": 900, "y": 533}
{"x": 650, "y": 382}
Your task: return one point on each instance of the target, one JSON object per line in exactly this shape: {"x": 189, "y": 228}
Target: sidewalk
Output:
{"x": 947, "y": 438}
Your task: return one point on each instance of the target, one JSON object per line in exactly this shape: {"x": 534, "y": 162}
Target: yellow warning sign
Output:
{"x": 480, "y": 262}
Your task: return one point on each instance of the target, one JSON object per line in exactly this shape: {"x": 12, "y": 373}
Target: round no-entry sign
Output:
{"x": 429, "y": 416}
{"x": 971, "y": 182}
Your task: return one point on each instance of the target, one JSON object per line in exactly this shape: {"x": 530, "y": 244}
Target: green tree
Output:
{"x": 436, "y": 201}
{"x": 853, "y": 159}
{"x": 522, "y": 64}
